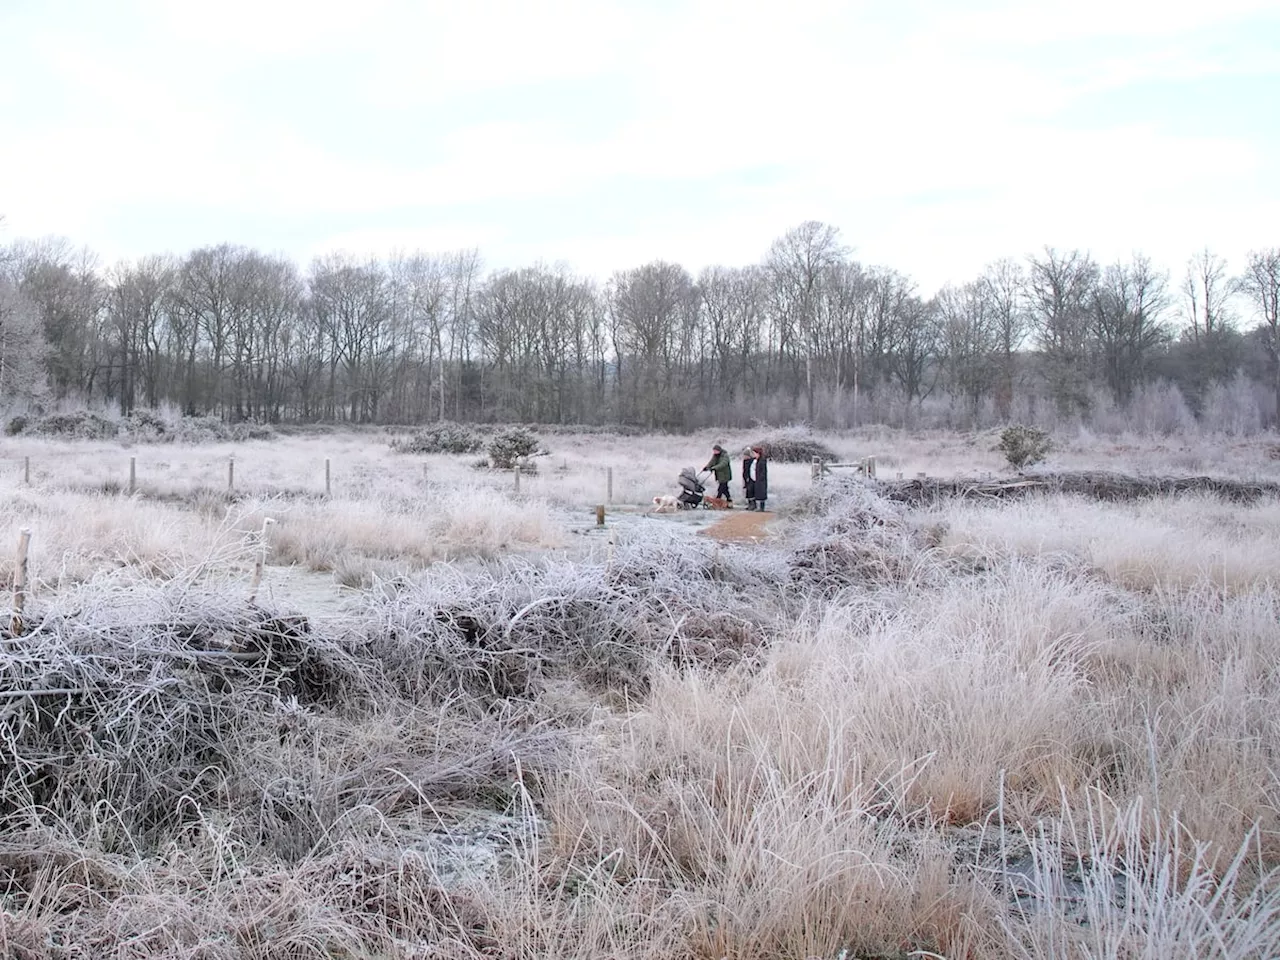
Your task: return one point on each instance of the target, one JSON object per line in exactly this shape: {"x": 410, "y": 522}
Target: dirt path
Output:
{"x": 740, "y": 526}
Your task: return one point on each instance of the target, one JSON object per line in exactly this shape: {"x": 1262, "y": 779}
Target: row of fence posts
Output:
{"x": 328, "y": 476}
{"x": 600, "y": 507}
{"x": 21, "y": 566}
{"x": 231, "y": 475}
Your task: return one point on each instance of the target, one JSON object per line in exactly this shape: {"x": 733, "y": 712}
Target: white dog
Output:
{"x": 665, "y": 504}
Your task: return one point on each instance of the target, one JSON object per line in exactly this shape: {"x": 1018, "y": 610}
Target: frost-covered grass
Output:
{"x": 1035, "y": 729}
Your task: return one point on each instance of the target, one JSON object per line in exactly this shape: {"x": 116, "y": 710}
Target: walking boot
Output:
{"x": 760, "y": 505}
{"x": 751, "y": 504}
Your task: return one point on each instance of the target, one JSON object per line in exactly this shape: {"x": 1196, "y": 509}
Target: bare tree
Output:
{"x": 1060, "y": 286}
{"x": 61, "y": 283}
{"x": 1207, "y": 290}
{"x": 734, "y": 301}
{"x": 137, "y": 300}
{"x": 1004, "y": 286}
{"x": 653, "y": 311}
{"x": 915, "y": 341}
{"x": 970, "y": 336}
{"x": 1261, "y": 282}
{"x": 798, "y": 262}
{"x": 1128, "y": 306}
{"x": 22, "y": 344}
{"x": 352, "y": 303}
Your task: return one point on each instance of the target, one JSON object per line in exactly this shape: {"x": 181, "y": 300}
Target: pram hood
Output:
{"x": 689, "y": 479}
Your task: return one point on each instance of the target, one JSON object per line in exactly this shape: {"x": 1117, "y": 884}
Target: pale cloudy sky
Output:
{"x": 937, "y": 134}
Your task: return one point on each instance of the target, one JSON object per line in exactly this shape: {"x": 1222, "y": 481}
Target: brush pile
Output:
{"x": 795, "y": 445}
{"x": 1095, "y": 485}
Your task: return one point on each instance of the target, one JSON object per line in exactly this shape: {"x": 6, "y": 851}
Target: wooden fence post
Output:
{"x": 328, "y": 490}
{"x": 871, "y": 467}
{"x": 600, "y": 515}
{"x": 517, "y": 472}
{"x": 26, "y": 470}
{"x": 815, "y": 470}
{"x": 231, "y": 474}
{"x": 20, "y": 582}
{"x": 133, "y": 475}
{"x": 608, "y": 485}
{"x": 259, "y": 560}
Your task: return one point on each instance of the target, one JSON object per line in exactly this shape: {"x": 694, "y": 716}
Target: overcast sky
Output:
{"x": 936, "y": 134}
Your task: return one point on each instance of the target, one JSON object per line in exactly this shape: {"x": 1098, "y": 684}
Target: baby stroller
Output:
{"x": 691, "y": 489}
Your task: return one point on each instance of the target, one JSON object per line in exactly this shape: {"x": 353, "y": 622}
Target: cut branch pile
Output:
{"x": 1097, "y": 485}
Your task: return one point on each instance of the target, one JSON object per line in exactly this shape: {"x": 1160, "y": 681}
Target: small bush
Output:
{"x": 81, "y": 425}
{"x": 795, "y": 445}
{"x": 1024, "y": 446}
{"x": 440, "y": 438}
{"x": 143, "y": 424}
{"x": 16, "y": 425}
{"x": 511, "y": 446}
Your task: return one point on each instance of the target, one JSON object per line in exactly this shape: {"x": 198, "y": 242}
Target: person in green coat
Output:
{"x": 722, "y": 468}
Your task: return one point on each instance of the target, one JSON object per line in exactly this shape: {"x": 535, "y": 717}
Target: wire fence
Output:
{"x": 128, "y": 476}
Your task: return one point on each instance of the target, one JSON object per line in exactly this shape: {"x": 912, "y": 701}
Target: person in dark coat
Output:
{"x": 722, "y": 467}
{"x": 760, "y": 473}
{"x": 748, "y": 477}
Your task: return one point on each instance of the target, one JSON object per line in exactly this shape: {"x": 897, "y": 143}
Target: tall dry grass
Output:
{"x": 1042, "y": 729}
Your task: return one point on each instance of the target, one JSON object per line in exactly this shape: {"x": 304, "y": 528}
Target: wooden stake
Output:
{"x": 20, "y": 582}
{"x": 26, "y": 470}
{"x": 231, "y": 474}
{"x": 133, "y": 475}
{"x": 871, "y": 467}
{"x": 517, "y": 479}
{"x": 608, "y": 485}
{"x": 259, "y": 560}
{"x": 328, "y": 490}
{"x": 600, "y": 515}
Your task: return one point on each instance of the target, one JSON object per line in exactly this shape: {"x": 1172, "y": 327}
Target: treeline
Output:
{"x": 807, "y": 333}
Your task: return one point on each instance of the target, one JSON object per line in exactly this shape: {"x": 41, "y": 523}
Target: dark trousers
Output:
{"x": 722, "y": 490}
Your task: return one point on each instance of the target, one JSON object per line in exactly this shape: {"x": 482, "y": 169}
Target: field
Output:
{"x": 460, "y": 721}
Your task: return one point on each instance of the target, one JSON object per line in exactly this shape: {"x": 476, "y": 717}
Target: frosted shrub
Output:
{"x": 440, "y": 438}
{"x": 1024, "y": 446}
{"x": 512, "y": 446}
